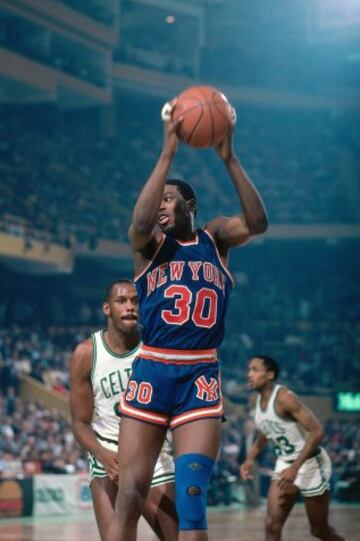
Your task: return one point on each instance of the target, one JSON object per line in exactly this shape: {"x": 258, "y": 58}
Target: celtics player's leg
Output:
{"x": 103, "y": 492}
{"x": 317, "y": 509}
{"x": 198, "y": 440}
{"x": 160, "y": 512}
{"x": 139, "y": 447}
{"x": 280, "y": 501}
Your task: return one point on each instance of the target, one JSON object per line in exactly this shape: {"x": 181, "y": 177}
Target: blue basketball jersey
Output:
{"x": 183, "y": 295}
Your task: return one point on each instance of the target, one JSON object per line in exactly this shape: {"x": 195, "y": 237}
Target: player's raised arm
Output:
{"x": 288, "y": 404}
{"x": 82, "y": 406}
{"x": 253, "y": 220}
{"x": 146, "y": 211}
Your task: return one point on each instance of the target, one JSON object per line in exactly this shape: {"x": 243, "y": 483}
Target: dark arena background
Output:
{"x": 82, "y": 83}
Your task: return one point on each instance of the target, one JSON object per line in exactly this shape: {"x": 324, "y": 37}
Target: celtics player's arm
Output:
{"x": 235, "y": 230}
{"x": 257, "y": 447}
{"x": 143, "y": 229}
{"x": 82, "y": 407}
{"x": 289, "y": 405}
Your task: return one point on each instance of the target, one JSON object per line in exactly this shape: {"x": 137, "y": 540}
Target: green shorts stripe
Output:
{"x": 97, "y": 470}
{"x": 162, "y": 479}
{"x": 316, "y": 491}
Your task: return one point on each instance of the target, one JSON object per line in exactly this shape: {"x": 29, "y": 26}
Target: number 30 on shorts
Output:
{"x": 205, "y": 306}
{"x": 142, "y": 392}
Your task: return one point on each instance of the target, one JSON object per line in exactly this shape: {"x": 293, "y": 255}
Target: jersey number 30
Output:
{"x": 204, "y": 311}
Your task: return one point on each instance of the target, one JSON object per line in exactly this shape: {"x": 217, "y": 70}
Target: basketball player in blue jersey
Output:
{"x": 183, "y": 286}
{"x": 100, "y": 369}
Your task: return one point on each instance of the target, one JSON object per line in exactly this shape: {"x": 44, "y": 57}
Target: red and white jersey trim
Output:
{"x": 142, "y": 415}
{"x": 189, "y": 242}
{"x": 220, "y": 258}
{"x": 194, "y": 415}
{"x": 163, "y": 420}
{"x": 178, "y": 355}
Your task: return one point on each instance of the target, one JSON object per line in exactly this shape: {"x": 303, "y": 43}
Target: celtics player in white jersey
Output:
{"x": 100, "y": 369}
{"x": 301, "y": 466}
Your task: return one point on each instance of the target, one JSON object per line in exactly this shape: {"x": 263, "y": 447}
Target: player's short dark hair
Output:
{"x": 186, "y": 190}
{"x": 270, "y": 364}
{"x": 110, "y": 287}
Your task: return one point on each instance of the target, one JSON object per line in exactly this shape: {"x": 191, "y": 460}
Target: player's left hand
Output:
{"x": 225, "y": 147}
{"x": 170, "y": 138}
{"x": 287, "y": 477}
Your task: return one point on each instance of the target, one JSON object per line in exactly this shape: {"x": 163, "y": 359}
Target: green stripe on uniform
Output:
{"x": 162, "y": 479}
{"x": 93, "y": 356}
{"x": 316, "y": 491}
{"x": 324, "y": 483}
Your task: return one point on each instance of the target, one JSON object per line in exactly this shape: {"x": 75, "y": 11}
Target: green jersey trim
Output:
{"x": 116, "y": 355}
{"x": 93, "y": 361}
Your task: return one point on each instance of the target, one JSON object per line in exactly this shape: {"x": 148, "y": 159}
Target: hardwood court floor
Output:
{"x": 228, "y": 525}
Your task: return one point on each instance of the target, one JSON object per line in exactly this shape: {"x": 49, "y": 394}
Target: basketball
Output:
{"x": 207, "y": 116}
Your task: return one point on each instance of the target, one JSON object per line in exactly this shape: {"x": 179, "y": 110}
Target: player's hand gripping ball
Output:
{"x": 207, "y": 116}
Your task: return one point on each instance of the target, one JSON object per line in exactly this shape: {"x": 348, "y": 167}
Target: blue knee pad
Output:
{"x": 192, "y": 475}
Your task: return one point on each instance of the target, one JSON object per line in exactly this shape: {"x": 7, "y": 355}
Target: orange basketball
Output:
{"x": 207, "y": 116}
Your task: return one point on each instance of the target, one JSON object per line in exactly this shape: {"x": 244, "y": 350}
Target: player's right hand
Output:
{"x": 245, "y": 470}
{"x": 109, "y": 460}
{"x": 170, "y": 139}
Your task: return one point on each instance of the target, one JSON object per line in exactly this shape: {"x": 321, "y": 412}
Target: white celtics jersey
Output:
{"x": 287, "y": 435}
{"x": 109, "y": 377}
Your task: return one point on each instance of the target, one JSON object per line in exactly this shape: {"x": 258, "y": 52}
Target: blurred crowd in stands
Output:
{"x": 42, "y": 355}
{"x": 35, "y": 439}
{"x": 53, "y": 49}
{"x": 61, "y": 177}
{"x": 301, "y": 302}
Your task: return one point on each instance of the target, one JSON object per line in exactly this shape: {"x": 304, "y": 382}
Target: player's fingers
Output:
{"x": 176, "y": 124}
{"x": 233, "y": 115}
{"x": 280, "y": 482}
{"x": 167, "y": 110}
{"x": 283, "y": 483}
{"x": 113, "y": 474}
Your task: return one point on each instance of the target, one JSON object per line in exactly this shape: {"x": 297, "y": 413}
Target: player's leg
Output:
{"x": 196, "y": 446}
{"x": 317, "y": 509}
{"x": 139, "y": 447}
{"x": 279, "y": 504}
{"x": 103, "y": 493}
{"x": 160, "y": 511}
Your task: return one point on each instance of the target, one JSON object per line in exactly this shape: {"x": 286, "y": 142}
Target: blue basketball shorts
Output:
{"x": 173, "y": 387}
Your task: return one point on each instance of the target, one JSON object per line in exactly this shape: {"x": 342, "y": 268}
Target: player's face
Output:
{"x": 258, "y": 375}
{"x": 123, "y": 308}
{"x": 174, "y": 212}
